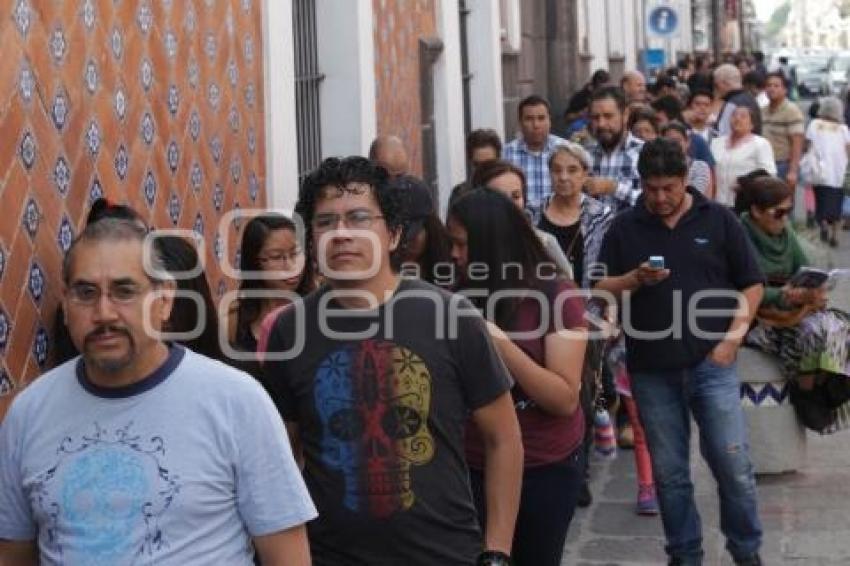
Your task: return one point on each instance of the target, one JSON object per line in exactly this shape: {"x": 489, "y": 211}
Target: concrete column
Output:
{"x": 279, "y": 88}
{"x": 485, "y": 65}
{"x": 347, "y": 59}
{"x": 448, "y": 103}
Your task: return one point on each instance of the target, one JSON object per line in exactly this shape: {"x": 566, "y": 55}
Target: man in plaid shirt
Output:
{"x": 615, "y": 179}
{"x": 531, "y": 151}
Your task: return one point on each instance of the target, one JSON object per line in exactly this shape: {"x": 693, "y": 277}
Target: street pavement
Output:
{"x": 806, "y": 515}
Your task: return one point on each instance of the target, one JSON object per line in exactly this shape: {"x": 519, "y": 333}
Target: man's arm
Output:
{"x": 499, "y": 430}
{"x": 285, "y": 548}
{"x": 749, "y": 300}
{"x": 18, "y": 553}
{"x": 632, "y": 281}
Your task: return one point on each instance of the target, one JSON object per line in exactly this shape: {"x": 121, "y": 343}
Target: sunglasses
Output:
{"x": 780, "y": 213}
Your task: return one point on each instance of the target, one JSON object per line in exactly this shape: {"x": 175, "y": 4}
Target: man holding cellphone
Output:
{"x": 689, "y": 285}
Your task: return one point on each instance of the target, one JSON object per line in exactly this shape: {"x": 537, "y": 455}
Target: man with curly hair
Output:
{"x": 376, "y": 376}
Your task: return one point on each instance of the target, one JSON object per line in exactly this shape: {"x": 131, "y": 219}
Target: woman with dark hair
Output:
{"x": 700, "y": 175}
{"x": 508, "y": 179}
{"x": 272, "y": 260}
{"x": 545, "y": 356}
{"x": 424, "y": 243}
{"x": 643, "y": 123}
{"x": 189, "y": 315}
{"x": 811, "y": 341}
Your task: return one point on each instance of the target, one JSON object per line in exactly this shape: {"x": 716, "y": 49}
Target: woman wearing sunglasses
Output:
{"x": 794, "y": 324}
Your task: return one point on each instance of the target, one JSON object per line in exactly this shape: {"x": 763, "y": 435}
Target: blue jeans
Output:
{"x": 782, "y": 169}
{"x": 711, "y": 393}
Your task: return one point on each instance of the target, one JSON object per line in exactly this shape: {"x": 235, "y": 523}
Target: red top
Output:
{"x": 546, "y": 438}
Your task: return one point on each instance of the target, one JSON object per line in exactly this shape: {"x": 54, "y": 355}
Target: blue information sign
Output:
{"x": 663, "y": 21}
{"x": 653, "y": 61}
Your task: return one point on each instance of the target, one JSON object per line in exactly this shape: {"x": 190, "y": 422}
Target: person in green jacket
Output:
{"x": 813, "y": 346}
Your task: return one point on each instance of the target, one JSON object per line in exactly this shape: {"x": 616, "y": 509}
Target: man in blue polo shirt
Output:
{"x": 681, "y": 350}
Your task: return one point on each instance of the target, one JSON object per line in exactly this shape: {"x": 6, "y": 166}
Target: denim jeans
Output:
{"x": 711, "y": 393}
{"x": 782, "y": 170}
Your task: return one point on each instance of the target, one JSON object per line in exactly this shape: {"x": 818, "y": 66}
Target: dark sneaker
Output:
{"x": 754, "y": 560}
{"x": 584, "y": 496}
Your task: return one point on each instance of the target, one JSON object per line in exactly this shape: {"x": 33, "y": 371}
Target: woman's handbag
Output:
{"x": 813, "y": 168}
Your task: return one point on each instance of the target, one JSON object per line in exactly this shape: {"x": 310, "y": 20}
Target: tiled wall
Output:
{"x": 157, "y": 103}
{"x": 398, "y": 27}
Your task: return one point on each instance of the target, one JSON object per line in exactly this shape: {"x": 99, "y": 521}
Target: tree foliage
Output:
{"x": 779, "y": 19}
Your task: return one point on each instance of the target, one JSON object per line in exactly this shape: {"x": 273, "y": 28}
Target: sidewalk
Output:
{"x": 804, "y": 514}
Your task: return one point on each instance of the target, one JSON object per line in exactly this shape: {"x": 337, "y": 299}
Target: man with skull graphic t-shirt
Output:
{"x": 380, "y": 418}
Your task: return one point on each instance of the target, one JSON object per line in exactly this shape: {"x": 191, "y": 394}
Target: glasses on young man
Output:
{"x": 353, "y": 219}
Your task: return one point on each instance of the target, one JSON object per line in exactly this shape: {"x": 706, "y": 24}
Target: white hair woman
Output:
{"x": 829, "y": 138}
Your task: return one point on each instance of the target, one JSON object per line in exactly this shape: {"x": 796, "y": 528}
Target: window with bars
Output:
{"x": 308, "y": 80}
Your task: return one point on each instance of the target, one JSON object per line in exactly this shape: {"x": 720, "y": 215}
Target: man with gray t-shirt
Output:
{"x": 138, "y": 452}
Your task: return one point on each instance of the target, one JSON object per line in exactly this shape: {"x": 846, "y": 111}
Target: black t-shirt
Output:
{"x": 571, "y": 241}
{"x": 706, "y": 251}
{"x": 381, "y": 420}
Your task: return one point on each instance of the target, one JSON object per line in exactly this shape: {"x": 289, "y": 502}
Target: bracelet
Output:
{"x": 493, "y": 558}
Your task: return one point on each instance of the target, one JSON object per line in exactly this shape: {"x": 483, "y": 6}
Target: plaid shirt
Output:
{"x": 536, "y": 167}
{"x": 621, "y": 166}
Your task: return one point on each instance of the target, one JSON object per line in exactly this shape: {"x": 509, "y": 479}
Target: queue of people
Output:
{"x": 391, "y": 389}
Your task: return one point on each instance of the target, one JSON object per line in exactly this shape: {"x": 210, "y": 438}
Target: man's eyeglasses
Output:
{"x": 354, "y": 219}
{"x": 87, "y": 295}
{"x": 780, "y": 213}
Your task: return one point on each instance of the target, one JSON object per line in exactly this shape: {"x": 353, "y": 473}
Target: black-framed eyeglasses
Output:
{"x": 358, "y": 219}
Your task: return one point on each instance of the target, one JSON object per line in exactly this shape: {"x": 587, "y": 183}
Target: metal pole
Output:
{"x": 717, "y": 27}
{"x": 742, "y": 26}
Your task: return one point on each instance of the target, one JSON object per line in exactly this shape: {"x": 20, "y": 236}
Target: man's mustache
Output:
{"x": 106, "y": 329}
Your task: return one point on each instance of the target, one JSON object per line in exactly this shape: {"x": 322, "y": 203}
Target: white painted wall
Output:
{"x": 619, "y": 27}
{"x": 593, "y": 28}
{"x": 347, "y": 59}
{"x": 448, "y": 103}
{"x": 279, "y": 88}
{"x": 485, "y": 65}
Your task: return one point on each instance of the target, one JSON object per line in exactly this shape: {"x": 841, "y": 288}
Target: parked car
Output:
{"x": 839, "y": 66}
{"x": 812, "y": 74}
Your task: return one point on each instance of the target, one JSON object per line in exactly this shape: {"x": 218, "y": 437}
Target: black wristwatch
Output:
{"x": 493, "y": 558}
